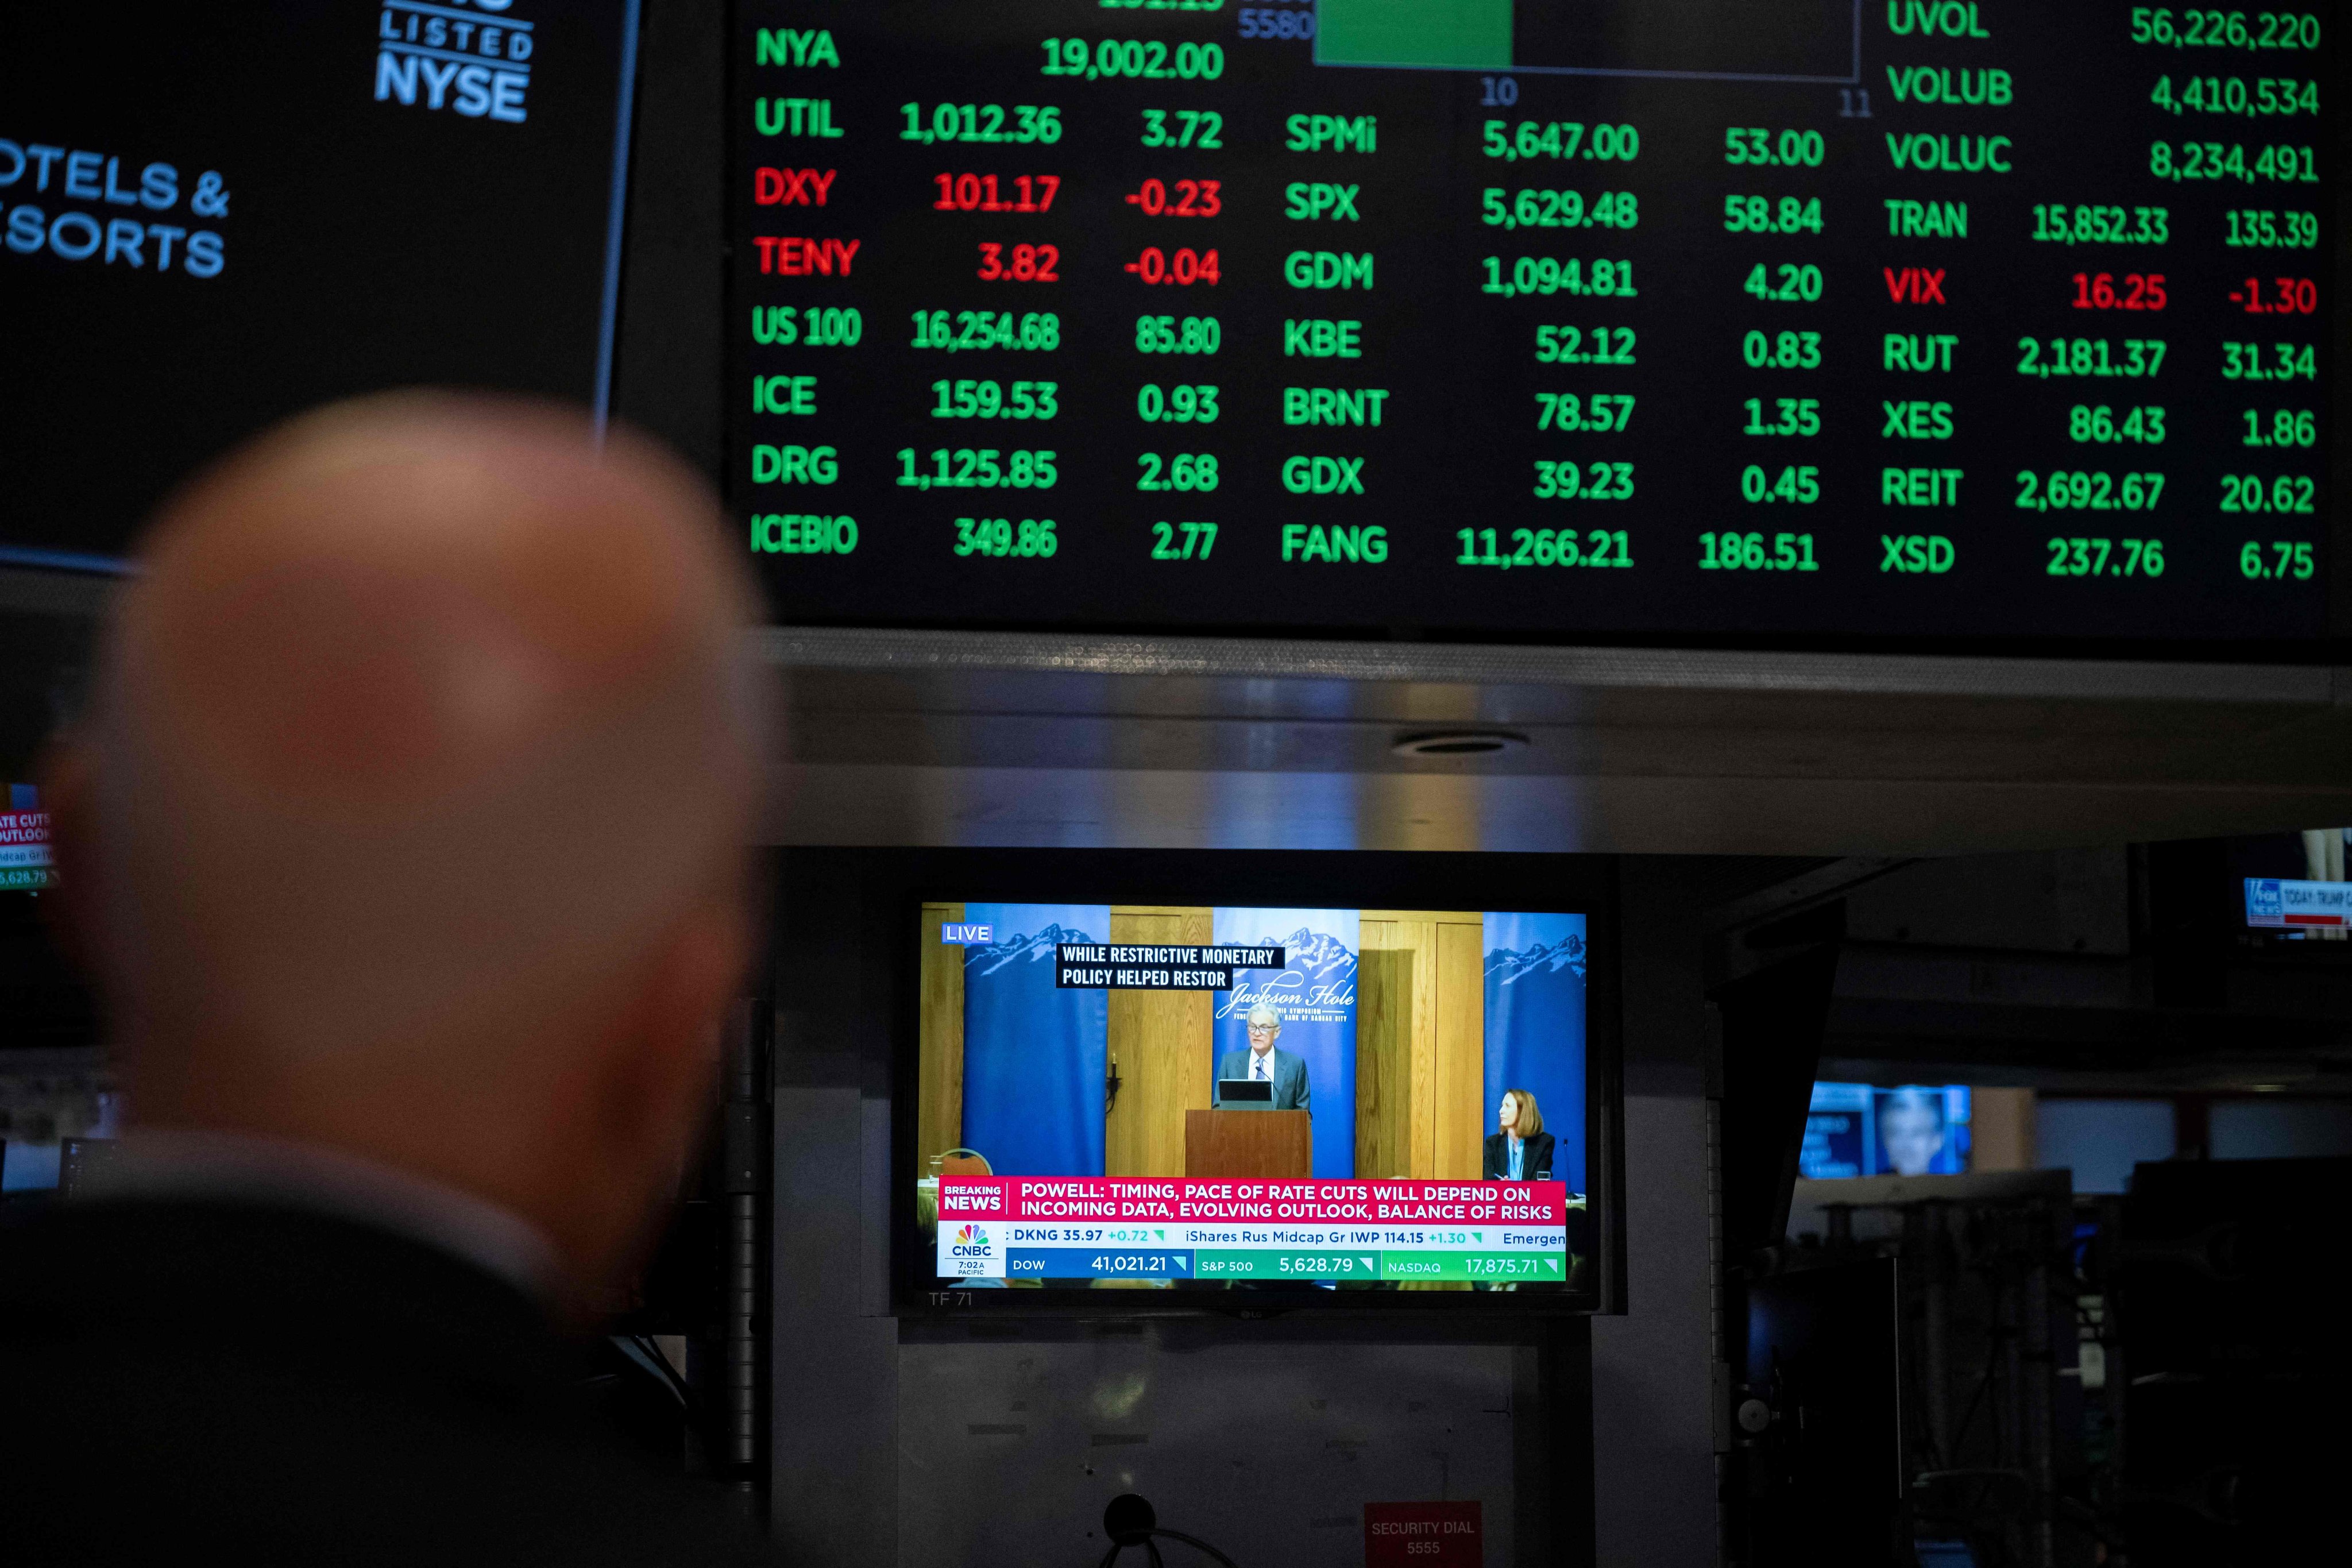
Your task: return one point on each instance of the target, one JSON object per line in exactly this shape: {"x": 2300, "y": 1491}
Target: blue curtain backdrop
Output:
{"x": 1535, "y": 1026}
{"x": 1033, "y": 1055}
{"x": 1317, "y": 997}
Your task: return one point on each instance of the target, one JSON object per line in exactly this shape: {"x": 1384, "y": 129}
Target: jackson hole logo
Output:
{"x": 468, "y": 55}
{"x": 1316, "y": 984}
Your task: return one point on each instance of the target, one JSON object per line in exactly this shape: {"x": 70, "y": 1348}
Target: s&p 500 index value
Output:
{"x": 1557, "y": 209}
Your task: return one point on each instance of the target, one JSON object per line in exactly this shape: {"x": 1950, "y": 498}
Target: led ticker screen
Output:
{"x": 1822, "y": 319}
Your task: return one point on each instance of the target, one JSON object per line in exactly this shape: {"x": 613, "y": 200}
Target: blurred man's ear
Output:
{"x": 674, "y": 1035}
{"x": 647, "y": 1088}
{"x": 67, "y": 777}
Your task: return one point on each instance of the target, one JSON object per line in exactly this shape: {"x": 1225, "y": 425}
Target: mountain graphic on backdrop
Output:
{"x": 1506, "y": 967}
{"x": 1037, "y": 949}
{"x": 1542, "y": 987}
{"x": 1322, "y": 958}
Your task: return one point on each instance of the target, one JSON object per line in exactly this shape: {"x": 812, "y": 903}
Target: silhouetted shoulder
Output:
{"x": 310, "y": 1390}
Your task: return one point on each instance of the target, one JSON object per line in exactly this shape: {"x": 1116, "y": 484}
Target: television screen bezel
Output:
{"x": 1586, "y": 884}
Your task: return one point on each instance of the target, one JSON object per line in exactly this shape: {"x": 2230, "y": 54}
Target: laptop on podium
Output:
{"x": 1244, "y": 1094}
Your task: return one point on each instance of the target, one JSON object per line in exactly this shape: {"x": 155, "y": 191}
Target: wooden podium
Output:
{"x": 1258, "y": 1145}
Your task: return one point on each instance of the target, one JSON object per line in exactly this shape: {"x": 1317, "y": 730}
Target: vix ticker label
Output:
{"x": 969, "y": 1251}
{"x": 468, "y": 55}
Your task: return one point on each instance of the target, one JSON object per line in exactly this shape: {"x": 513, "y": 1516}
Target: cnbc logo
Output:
{"x": 971, "y": 1241}
{"x": 465, "y": 56}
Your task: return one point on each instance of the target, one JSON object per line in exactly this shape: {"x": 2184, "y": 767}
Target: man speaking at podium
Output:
{"x": 1265, "y": 1063}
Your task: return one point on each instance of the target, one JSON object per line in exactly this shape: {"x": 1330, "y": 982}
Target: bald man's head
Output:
{"x": 422, "y": 762}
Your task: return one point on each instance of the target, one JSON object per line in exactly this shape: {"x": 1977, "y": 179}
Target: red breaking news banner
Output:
{"x": 1180, "y": 1199}
{"x": 1422, "y": 1535}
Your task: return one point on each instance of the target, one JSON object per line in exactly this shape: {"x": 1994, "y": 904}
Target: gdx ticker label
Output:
{"x": 464, "y": 55}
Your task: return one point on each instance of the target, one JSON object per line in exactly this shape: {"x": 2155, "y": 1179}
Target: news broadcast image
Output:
{"x": 1168, "y": 1098}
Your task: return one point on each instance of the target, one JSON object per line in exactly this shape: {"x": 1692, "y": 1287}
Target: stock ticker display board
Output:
{"x": 1933, "y": 319}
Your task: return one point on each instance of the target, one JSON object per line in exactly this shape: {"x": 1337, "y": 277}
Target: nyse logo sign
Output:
{"x": 468, "y": 55}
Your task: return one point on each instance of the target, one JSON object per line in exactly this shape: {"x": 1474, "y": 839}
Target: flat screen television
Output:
{"x": 1209, "y": 1098}
{"x": 1866, "y": 1130}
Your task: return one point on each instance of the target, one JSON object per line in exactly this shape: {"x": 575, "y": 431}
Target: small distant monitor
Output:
{"x": 82, "y": 1159}
{"x": 1244, "y": 1094}
{"x": 1865, "y": 1130}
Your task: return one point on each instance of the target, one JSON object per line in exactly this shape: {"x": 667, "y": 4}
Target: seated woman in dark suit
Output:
{"x": 1521, "y": 1150}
